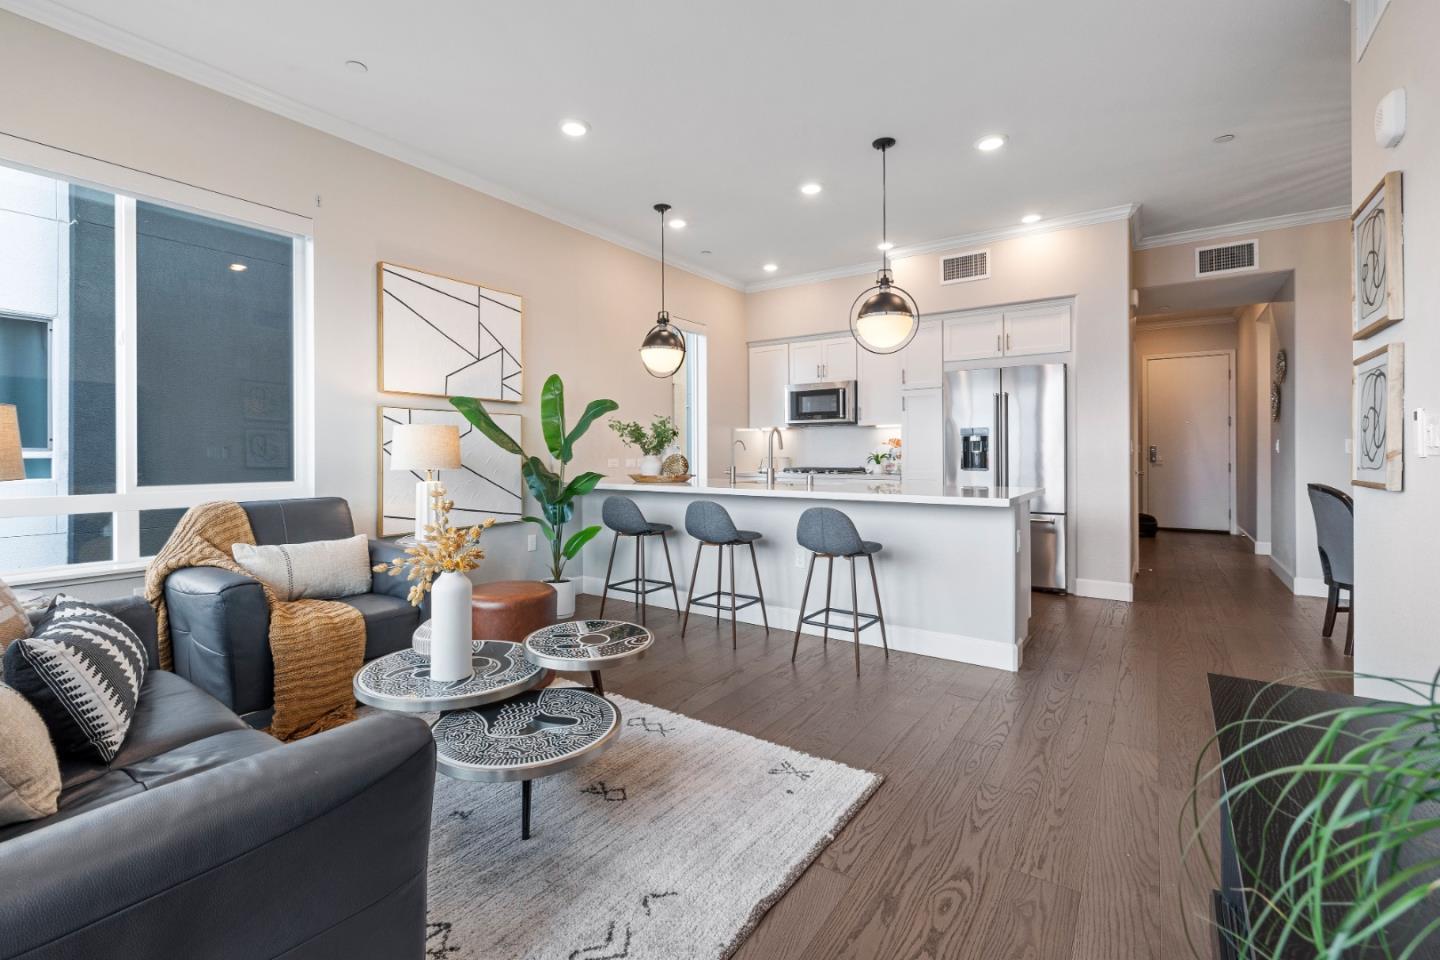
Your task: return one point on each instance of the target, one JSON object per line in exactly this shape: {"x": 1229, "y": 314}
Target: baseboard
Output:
{"x": 928, "y": 643}
{"x": 1309, "y": 587}
{"x": 1286, "y": 575}
{"x": 1105, "y": 590}
{"x": 1262, "y": 548}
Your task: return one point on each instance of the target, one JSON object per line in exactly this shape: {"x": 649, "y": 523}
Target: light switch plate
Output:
{"x": 1427, "y": 433}
{"x": 613, "y": 462}
{"x": 530, "y": 543}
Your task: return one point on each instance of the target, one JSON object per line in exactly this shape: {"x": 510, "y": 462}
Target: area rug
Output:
{"x": 669, "y": 846}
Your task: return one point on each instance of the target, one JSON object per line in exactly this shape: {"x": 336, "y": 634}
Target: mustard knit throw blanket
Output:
{"x": 317, "y": 645}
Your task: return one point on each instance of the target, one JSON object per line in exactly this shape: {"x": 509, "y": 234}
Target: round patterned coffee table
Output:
{"x": 593, "y": 645}
{"x": 531, "y": 735}
{"x": 401, "y": 681}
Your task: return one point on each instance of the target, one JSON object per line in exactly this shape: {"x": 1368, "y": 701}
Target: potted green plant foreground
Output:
{"x": 548, "y": 486}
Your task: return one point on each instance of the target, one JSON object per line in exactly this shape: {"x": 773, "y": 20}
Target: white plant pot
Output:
{"x": 450, "y": 628}
{"x": 649, "y": 466}
{"x": 564, "y": 598}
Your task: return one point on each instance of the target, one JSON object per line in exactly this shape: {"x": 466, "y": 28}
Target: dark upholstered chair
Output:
{"x": 207, "y": 838}
{"x": 710, "y": 523}
{"x": 829, "y": 533}
{"x": 1335, "y": 533}
{"x": 622, "y": 515}
{"x": 220, "y": 623}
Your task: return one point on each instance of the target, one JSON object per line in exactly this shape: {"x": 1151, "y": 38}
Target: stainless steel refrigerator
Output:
{"x": 1005, "y": 427}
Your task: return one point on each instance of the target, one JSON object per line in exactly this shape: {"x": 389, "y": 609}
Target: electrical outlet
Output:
{"x": 613, "y": 462}
{"x": 800, "y": 556}
{"x": 530, "y": 543}
{"x": 629, "y": 461}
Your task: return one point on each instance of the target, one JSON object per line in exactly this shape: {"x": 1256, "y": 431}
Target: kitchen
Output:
{"x": 979, "y": 401}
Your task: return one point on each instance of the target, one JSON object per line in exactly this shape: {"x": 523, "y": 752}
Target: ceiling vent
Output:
{"x": 964, "y": 267}
{"x": 1230, "y": 258}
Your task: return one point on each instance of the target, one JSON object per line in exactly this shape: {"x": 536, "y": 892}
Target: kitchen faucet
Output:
{"x": 770, "y": 439}
{"x": 741, "y": 444}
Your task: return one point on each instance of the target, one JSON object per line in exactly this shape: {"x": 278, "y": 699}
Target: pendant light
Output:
{"x": 884, "y": 318}
{"x": 663, "y": 349}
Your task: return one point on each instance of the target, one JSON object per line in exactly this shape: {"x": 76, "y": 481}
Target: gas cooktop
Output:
{"x": 835, "y": 471}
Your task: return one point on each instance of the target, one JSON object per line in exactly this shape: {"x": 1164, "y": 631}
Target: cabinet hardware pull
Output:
{"x": 1007, "y": 341}
{"x": 997, "y": 341}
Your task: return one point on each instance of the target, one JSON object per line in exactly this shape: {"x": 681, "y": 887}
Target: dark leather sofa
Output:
{"x": 220, "y": 623}
{"x": 206, "y": 838}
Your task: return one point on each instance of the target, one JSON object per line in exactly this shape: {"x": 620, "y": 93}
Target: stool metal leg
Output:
{"x": 761, "y": 590}
{"x": 675, "y": 592}
{"x": 524, "y": 809}
{"x": 875, "y": 582}
{"x": 804, "y": 596}
{"x": 690, "y": 595}
{"x": 829, "y": 582}
{"x": 734, "y": 643}
{"x": 640, "y": 575}
{"x": 605, "y": 590}
{"x": 855, "y": 614}
{"x": 719, "y": 582}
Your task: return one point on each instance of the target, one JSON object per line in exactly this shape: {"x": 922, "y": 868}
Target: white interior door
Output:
{"x": 1187, "y": 441}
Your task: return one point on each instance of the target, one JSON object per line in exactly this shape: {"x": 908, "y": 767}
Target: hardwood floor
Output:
{"x": 1029, "y": 815}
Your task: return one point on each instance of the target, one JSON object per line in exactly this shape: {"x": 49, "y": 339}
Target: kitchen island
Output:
{"x": 954, "y": 574}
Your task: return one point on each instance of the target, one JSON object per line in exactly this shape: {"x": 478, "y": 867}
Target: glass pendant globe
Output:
{"x": 663, "y": 350}
{"x": 885, "y": 321}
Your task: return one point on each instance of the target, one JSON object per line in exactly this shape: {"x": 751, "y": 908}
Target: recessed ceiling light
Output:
{"x": 356, "y": 66}
{"x": 676, "y": 223}
{"x": 770, "y": 267}
{"x": 1030, "y": 218}
{"x": 1225, "y": 138}
{"x": 239, "y": 267}
{"x": 810, "y": 189}
{"x": 574, "y": 128}
{"x": 988, "y": 144}
{"x": 887, "y": 245}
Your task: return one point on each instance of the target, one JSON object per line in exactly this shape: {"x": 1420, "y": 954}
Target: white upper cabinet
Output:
{"x": 1042, "y": 329}
{"x": 769, "y": 373}
{"x": 921, "y": 363}
{"x": 879, "y": 386}
{"x": 1015, "y": 332}
{"x": 816, "y": 361}
{"x": 976, "y": 336}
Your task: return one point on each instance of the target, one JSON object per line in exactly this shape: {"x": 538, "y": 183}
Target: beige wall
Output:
{"x": 1091, "y": 264}
{"x": 587, "y": 302}
{"x": 1396, "y": 533}
{"x": 1311, "y": 321}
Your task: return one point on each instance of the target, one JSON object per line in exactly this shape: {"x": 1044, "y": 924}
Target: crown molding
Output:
{"x": 1227, "y": 230}
{"x": 1090, "y": 218}
{"x": 87, "y": 28}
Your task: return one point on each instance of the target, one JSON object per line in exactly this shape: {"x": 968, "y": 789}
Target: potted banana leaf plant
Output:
{"x": 555, "y": 495}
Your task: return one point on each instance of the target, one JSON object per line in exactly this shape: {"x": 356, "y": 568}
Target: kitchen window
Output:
{"x": 156, "y": 358}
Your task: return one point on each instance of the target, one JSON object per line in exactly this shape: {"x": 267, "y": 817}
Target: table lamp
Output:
{"x": 429, "y": 447}
{"x": 12, "y": 465}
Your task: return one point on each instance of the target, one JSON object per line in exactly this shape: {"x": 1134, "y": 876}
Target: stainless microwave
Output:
{"x": 810, "y": 403}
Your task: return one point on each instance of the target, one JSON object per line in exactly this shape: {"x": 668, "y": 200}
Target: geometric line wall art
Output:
{"x": 486, "y": 485}
{"x": 443, "y": 337}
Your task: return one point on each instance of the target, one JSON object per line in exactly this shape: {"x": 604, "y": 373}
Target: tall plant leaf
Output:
{"x": 552, "y": 417}
{"x": 545, "y": 528}
{"x": 475, "y": 412}
{"x": 581, "y": 537}
{"x": 593, "y": 411}
{"x": 582, "y": 485}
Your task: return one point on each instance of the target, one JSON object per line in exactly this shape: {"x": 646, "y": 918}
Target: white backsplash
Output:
{"x": 827, "y": 446}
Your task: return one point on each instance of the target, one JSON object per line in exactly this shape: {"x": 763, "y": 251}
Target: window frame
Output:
{"x": 130, "y": 186}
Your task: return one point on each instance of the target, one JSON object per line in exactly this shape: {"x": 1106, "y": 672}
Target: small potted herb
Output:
{"x": 651, "y": 442}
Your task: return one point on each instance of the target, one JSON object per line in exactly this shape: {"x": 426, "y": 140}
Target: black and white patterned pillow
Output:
{"x": 81, "y": 670}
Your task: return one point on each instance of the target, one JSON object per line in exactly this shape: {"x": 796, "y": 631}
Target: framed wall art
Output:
{"x": 1378, "y": 250}
{"x": 486, "y": 485}
{"x": 1379, "y": 419}
{"x": 443, "y": 337}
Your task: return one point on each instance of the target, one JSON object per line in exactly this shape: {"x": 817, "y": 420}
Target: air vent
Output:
{"x": 1231, "y": 258}
{"x": 964, "y": 267}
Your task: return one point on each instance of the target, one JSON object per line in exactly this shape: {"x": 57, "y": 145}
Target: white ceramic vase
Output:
{"x": 649, "y": 466}
{"x": 450, "y": 627}
{"x": 564, "y": 598}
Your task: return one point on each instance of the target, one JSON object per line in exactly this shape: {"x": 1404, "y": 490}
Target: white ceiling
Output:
{"x": 723, "y": 109}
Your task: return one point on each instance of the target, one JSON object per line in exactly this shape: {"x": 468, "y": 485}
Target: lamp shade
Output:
{"x": 12, "y": 466}
{"x": 663, "y": 350}
{"x": 425, "y": 446}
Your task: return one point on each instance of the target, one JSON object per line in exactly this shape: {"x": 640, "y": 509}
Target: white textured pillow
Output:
{"x": 29, "y": 769}
{"x": 14, "y": 619}
{"x": 319, "y": 570}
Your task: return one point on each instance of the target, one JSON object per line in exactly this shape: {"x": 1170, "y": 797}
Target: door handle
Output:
{"x": 1050, "y": 521}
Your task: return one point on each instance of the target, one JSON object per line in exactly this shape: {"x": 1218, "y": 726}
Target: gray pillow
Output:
{"x": 319, "y": 570}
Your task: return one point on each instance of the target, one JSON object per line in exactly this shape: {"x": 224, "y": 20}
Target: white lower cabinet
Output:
{"x": 922, "y": 433}
{"x": 879, "y": 386}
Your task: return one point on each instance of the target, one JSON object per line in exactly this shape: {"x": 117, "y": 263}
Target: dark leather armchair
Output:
{"x": 1335, "y": 534}
{"x": 220, "y": 623}
{"x": 207, "y": 838}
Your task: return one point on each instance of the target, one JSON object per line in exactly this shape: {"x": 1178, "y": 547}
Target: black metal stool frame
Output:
{"x": 640, "y": 585}
{"x": 821, "y": 617}
{"x": 714, "y": 600}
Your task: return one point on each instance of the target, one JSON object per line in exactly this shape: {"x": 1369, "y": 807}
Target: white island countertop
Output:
{"x": 860, "y": 489}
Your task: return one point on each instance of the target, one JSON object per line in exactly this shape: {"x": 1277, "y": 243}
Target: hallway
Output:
{"x": 1032, "y": 814}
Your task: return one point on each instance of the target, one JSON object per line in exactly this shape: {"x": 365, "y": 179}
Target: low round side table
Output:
{"x": 400, "y": 681}
{"x": 593, "y": 645}
{"x": 532, "y": 735}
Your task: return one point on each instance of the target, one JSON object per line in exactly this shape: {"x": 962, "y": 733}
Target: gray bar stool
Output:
{"x": 828, "y": 533}
{"x": 623, "y": 516}
{"x": 708, "y": 522}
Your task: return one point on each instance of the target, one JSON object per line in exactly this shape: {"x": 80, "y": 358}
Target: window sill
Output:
{"x": 76, "y": 574}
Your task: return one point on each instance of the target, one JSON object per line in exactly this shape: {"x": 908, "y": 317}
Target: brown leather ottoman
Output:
{"x": 510, "y": 609}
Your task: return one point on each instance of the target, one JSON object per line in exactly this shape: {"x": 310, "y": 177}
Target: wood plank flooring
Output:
{"x": 1029, "y": 815}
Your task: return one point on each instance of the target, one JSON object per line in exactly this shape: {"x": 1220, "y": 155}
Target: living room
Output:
{"x": 532, "y": 308}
